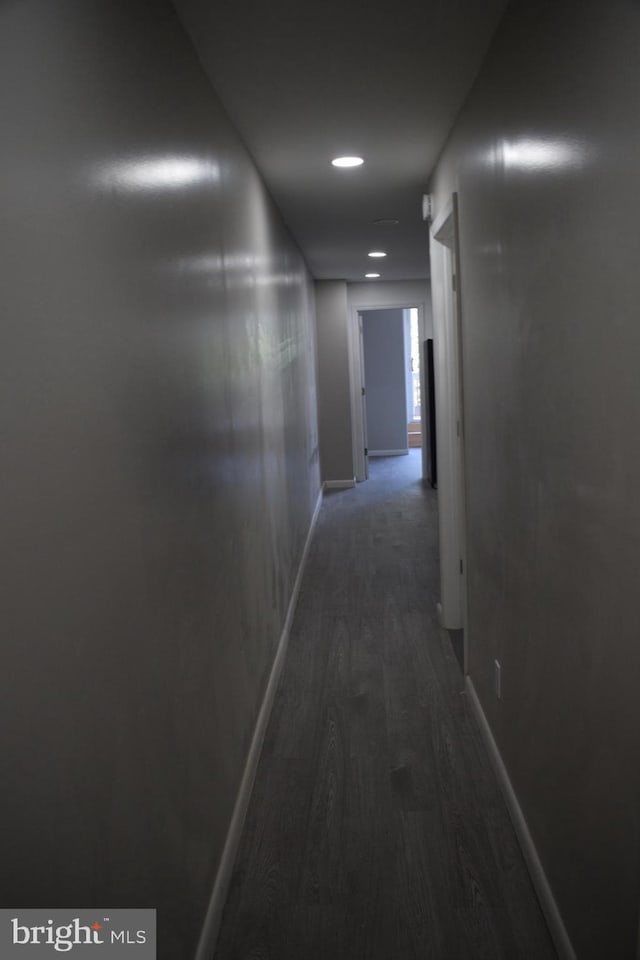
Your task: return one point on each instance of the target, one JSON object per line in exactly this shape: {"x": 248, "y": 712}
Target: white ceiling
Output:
{"x": 304, "y": 82}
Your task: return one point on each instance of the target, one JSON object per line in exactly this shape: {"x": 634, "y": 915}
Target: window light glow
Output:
{"x": 347, "y": 161}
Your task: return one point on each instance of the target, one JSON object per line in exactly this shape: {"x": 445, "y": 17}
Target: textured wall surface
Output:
{"x": 545, "y": 160}
{"x": 159, "y": 459}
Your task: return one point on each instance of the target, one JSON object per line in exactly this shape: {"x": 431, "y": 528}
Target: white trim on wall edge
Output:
{"x": 390, "y": 453}
{"x": 538, "y": 876}
{"x": 211, "y": 927}
{"x": 339, "y": 484}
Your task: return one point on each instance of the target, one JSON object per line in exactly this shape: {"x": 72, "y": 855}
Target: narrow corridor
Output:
{"x": 377, "y": 830}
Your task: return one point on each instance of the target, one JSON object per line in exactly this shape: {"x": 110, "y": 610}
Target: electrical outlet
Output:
{"x": 497, "y": 679}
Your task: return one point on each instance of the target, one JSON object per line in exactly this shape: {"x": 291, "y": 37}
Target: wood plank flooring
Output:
{"x": 376, "y": 830}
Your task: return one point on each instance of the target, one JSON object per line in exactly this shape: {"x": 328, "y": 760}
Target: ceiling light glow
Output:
{"x": 376, "y": 254}
{"x": 371, "y": 276}
{"x": 347, "y": 161}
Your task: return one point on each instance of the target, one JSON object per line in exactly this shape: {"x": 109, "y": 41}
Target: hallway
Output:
{"x": 376, "y": 828}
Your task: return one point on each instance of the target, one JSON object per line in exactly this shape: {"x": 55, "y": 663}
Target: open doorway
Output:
{"x": 388, "y": 384}
{"x": 388, "y": 381}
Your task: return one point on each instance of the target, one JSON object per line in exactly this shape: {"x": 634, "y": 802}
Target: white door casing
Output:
{"x": 449, "y": 417}
{"x": 363, "y": 401}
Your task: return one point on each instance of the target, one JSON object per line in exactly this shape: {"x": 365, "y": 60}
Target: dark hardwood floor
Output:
{"x": 376, "y": 829}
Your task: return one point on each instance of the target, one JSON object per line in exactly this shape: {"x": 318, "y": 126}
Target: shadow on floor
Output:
{"x": 457, "y": 642}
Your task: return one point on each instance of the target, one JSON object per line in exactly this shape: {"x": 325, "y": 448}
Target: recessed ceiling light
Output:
{"x": 347, "y": 161}
{"x": 377, "y": 254}
{"x": 387, "y": 222}
{"x": 371, "y": 276}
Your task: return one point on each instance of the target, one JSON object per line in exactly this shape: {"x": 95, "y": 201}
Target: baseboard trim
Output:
{"x": 211, "y": 927}
{"x": 538, "y": 876}
{"x": 404, "y": 452}
{"x": 339, "y": 484}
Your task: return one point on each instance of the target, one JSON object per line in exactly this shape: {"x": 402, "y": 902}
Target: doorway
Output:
{"x": 387, "y": 383}
{"x": 388, "y": 389}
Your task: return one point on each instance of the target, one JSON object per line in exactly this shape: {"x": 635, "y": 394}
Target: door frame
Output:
{"x": 363, "y": 398}
{"x": 447, "y": 335}
{"x": 357, "y": 384}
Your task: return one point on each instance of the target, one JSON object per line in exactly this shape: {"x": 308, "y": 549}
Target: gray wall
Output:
{"x": 545, "y": 160}
{"x": 159, "y": 459}
{"x": 384, "y": 366}
{"x": 393, "y": 293}
{"x": 334, "y": 390}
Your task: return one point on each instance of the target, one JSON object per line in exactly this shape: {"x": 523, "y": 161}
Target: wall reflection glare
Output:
{"x": 202, "y": 263}
{"x": 159, "y": 173}
{"x": 540, "y": 154}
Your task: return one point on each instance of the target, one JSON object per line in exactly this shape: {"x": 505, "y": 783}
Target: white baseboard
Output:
{"x": 211, "y": 927}
{"x": 538, "y": 876}
{"x": 404, "y": 452}
{"x": 339, "y": 484}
